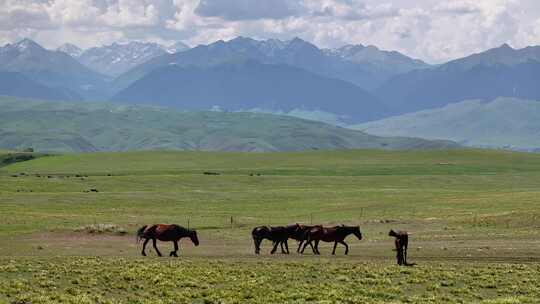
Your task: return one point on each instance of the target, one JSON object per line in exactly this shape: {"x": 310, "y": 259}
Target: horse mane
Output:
{"x": 184, "y": 230}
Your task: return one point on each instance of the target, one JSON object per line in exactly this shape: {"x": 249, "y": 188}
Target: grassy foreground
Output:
{"x": 118, "y": 280}
{"x": 473, "y": 214}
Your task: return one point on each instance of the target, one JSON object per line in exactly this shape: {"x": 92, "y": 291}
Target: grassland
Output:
{"x": 98, "y": 280}
{"x": 474, "y": 215}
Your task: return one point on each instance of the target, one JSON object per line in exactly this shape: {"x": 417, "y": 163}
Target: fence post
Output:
{"x": 232, "y": 222}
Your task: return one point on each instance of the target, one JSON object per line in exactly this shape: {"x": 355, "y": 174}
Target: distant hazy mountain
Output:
{"x": 295, "y": 52}
{"x": 497, "y": 72}
{"x": 388, "y": 62}
{"x": 50, "y": 68}
{"x": 249, "y": 84}
{"x": 503, "y": 122}
{"x": 177, "y": 47}
{"x": 116, "y": 59}
{"x": 503, "y": 55}
{"x": 70, "y": 49}
{"x": 16, "y": 84}
{"x": 48, "y": 126}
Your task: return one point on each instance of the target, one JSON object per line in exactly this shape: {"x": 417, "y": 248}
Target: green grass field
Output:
{"x": 473, "y": 214}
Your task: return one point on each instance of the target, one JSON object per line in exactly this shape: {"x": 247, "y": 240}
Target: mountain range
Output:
{"x": 500, "y": 123}
{"x": 54, "y": 69}
{"x": 339, "y": 64}
{"x": 67, "y": 127}
{"x": 247, "y": 85}
{"x": 349, "y": 85}
{"x": 501, "y": 71}
{"x": 115, "y": 59}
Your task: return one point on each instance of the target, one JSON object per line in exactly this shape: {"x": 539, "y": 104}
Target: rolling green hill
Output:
{"x": 86, "y": 127}
{"x": 502, "y": 123}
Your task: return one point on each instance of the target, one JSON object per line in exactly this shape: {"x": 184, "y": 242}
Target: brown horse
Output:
{"x": 298, "y": 232}
{"x": 278, "y": 235}
{"x": 336, "y": 234}
{"x": 165, "y": 233}
{"x": 401, "y": 243}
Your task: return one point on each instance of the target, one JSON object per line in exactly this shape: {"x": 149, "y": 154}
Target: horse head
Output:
{"x": 392, "y": 233}
{"x": 193, "y": 237}
{"x": 357, "y": 232}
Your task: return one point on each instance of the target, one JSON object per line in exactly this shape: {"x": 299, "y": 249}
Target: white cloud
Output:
{"x": 127, "y": 13}
{"x": 428, "y": 29}
{"x": 248, "y": 9}
{"x": 458, "y": 7}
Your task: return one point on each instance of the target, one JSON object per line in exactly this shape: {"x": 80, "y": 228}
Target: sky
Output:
{"x": 432, "y": 30}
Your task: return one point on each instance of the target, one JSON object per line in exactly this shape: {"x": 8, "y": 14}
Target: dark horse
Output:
{"x": 336, "y": 234}
{"x": 165, "y": 233}
{"x": 401, "y": 243}
{"x": 299, "y": 232}
{"x": 278, "y": 235}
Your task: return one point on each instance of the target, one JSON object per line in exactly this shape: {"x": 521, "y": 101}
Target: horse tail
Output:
{"x": 140, "y": 233}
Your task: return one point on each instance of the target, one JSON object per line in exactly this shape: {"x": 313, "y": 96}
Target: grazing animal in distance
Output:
{"x": 401, "y": 243}
{"x": 336, "y": 234}
{"x": 278, "y": 235}
{"x": 298, "y": 232}
{"x": 165, "y": 233}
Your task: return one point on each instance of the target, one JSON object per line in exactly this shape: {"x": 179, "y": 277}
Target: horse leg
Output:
{"x": 144, "y": 246}
{"x": 281, "y": 245}
{"x": 305, "y": 245}
{"x": 317, "y": 247}
{"x": 155, "y": 247}
{"x": 299, "y": 246}
{"x": 257, "y": 244}
{"x": 275, "y": 247}
{"x": 405, "y": 256}
{"x": 173, "y": 253}
{"x": 287, "y": 246}
{"x": 346, "y": 247}
{"x": 312, "y": 248}
{"x": 334, "y": 251}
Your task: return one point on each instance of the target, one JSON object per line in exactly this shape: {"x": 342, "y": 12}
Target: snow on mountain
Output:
{"x": 177, "y": 47}
{"x": 116, "y": 58}
{"x": 376, "y": 57}
{"x": 71, "y": 49}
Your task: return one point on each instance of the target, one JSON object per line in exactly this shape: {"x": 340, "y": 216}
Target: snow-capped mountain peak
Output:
{"x": 71, "y": 49}
{"x": 177, "y": 47}
{"x": 118, "y": 58}
{"x": 23, "y": 46}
